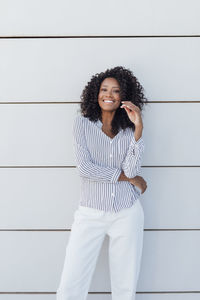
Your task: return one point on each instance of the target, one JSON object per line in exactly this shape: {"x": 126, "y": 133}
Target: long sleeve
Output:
{"x": 132, "y": 162}
{"x": 84, "y": 162}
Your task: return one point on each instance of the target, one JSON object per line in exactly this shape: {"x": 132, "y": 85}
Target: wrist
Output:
{"x": 137, "y": 134}
{"x": 138, "y": 128}
{"x": 123, "y": 177}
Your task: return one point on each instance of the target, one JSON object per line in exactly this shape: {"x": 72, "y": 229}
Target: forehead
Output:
{"x": 110, "y": 82}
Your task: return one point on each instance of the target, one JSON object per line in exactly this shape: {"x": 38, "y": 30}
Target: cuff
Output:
{"x": 116, "y": 175}
{"x": 139, "y": 145}
{"x": 139, "y": 142}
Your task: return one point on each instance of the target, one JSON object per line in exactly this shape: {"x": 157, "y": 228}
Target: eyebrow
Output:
{"x": 113, "y": 86}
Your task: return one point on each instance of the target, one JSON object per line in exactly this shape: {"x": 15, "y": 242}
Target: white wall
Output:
{"x": 48, "y": 52}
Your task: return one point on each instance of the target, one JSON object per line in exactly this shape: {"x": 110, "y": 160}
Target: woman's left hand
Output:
{"x": 133, "y": 113}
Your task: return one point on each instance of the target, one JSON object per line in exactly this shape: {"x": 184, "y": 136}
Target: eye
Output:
{"x": 117, "y": 91}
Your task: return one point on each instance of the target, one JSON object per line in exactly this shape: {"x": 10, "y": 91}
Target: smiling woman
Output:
{"x": 109, "y": 147}
{"x": 117, "y": 85}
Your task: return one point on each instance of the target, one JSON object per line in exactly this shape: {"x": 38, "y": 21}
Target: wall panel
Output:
{"x": 58, "y": 69}
{"x": 41, "y": 135}
{"x": 60, "y": 17}
{"x": 46, "y": 198}
{"x": 170, "y": 259}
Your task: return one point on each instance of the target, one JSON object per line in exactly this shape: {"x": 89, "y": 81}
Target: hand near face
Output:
{"x": 133, "y": 113}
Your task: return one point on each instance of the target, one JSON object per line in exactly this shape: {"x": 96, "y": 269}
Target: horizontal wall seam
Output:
{"x": 60, "y": 167}
{"x": 96, "y": 36}
{"x": 78, "y": 102}
{"x": 103, "y": 293}
{"x": 60, "y": 230}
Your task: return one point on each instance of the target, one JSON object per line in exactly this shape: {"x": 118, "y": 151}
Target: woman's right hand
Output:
{"x": 139, "y": 182}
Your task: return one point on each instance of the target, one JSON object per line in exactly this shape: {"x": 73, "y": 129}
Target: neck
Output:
{"x": 107, "y": 117}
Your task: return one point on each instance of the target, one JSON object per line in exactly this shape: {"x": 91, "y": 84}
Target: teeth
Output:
{"x": 108, "y": 101}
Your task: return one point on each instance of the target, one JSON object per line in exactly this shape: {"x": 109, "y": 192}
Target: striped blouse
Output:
{"x": 100, "y": 160}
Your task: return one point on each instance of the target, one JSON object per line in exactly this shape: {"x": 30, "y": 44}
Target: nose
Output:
{"x": 109, "y": 93}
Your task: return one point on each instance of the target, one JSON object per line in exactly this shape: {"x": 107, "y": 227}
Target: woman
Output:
{"x": 108, "y": 146}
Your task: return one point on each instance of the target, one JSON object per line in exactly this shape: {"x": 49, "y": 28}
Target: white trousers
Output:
{"x": 125, "y": 231}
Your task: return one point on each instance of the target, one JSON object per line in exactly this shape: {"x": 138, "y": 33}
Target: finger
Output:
{"x": 126, "y": 108}
{"x": 131, "y": 104}
{"x": 130, "y": 107}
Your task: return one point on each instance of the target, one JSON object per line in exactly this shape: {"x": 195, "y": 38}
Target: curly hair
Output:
{"x": 130, "y": 90}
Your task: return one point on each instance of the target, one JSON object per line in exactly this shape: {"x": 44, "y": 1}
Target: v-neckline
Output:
{"x": 100, "y": 124}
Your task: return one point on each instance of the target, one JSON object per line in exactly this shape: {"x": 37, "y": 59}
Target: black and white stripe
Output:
{"x": 100, "y": 160}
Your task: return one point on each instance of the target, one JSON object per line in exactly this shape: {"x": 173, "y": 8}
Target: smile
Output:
{"x": 108, "y": 101}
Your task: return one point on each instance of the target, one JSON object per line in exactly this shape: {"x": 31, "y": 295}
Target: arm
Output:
{"x": 84, "y": 162}
{"x": 132, "y": 162}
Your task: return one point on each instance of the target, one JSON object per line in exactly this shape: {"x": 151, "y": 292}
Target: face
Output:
{"x": 109, "y": 94}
